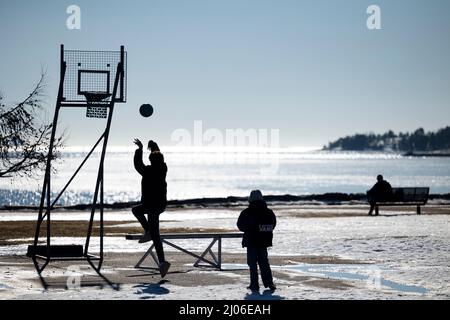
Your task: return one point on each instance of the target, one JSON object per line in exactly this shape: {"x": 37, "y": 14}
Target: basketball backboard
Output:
{"x": 93, "y": 72}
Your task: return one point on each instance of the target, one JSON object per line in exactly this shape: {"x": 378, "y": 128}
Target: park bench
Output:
{"x": 216, "y": 261}
{"x": 405, "y": 197}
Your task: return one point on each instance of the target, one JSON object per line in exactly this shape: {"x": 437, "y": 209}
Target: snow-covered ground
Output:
{"x": 394, "y": 256}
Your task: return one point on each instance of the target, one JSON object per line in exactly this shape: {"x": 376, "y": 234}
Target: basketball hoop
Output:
{"x": 95, "y": 80}
{"x": 97, "y": 104}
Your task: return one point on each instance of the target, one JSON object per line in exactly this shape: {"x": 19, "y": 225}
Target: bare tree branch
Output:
{"x": 24, "y": 138}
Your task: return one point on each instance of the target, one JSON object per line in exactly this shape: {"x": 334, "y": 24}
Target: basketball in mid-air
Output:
{"x": 146, "y": 110}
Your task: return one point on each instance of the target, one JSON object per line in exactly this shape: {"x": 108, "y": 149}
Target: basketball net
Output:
{"x": 97, "y": 106}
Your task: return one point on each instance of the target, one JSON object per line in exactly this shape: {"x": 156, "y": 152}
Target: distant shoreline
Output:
{"x": 232, "y": 201}
{"x": 417, "y": 141}
{"x": 443, "y": 154}
{"x": 426, "y": 154}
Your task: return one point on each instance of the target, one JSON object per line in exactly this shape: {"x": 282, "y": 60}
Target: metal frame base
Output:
{"x": 89, "y": 258}
{"x": 215, "y": 260}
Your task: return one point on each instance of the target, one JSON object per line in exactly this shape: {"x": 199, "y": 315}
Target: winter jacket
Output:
{"x": 257, "y": 222}
{"x": 153, "y": 183}
{"x": 381, "y": 191}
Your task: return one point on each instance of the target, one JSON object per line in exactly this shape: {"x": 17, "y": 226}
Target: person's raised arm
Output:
{"x": 138, "y": 163}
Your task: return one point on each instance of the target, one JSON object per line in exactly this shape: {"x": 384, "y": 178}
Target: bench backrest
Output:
{"x": 411, "y": 194}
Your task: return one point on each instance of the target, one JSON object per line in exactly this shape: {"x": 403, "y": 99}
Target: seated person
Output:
{"x": 381, "y": 191}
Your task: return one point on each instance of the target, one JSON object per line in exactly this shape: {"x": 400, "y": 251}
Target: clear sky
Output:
{"x": 311, "y": 69}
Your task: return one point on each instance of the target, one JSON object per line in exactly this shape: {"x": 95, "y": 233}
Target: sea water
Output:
{"x": 219, "y": 172}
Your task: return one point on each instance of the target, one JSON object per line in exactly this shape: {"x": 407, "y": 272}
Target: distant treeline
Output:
{"x": 418, "y": 141}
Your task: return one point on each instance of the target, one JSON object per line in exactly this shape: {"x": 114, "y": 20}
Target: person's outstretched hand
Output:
{"x": 138, "y": 143}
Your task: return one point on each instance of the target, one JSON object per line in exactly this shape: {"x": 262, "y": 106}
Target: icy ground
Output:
{"x": 396, "y": 256}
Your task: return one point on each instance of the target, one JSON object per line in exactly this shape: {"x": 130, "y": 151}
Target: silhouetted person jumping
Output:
{"x": 257, "y": 222}
{"x": 381, "y": 191}
{"x": 153, "y": 198}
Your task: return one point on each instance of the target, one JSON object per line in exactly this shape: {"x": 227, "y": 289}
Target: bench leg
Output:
{"x": 418, "y": 210}
{"x": 219, "y": 253}
{"x": 149, "y": 252}
{"x": 200, "y": 258}
{"x": 376, "y": 210}
{"x": 208, "y": 250}
{"x": 211, "y": 253}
